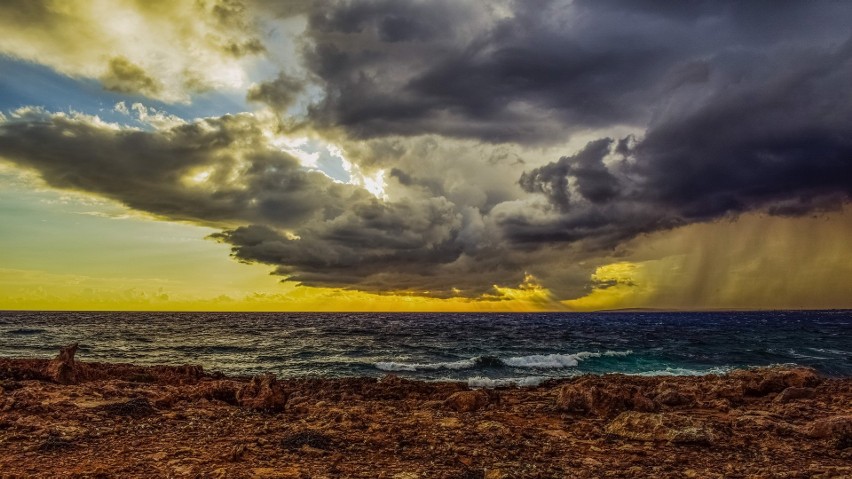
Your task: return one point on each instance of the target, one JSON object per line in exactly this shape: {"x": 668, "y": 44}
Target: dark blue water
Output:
{"x": 483, "y": 349}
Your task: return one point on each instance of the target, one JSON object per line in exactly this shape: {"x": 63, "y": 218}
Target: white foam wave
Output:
{"x": 395, "y": 366}
{"x": 488, "y": 383}
{"x": 540, "y": 361}
{"x": 683, "y": 372}
{"x": 557, "y": 361}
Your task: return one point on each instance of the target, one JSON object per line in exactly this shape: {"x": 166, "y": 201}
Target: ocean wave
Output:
{"x": 669, "y": 371}
{"x": 558, "y": 361}
{"x": 489, "y": 383}
{"x": 395, "y": 366}
{"x": 537, "y": 361}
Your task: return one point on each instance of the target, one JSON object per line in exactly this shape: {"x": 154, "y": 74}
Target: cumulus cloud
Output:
{"x": 690, "y": 112}
{"x": 226, "y": 172}
{"x": 161, "y": 49}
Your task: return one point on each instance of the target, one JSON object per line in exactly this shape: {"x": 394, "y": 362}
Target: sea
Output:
{"x": 483, "y": 350}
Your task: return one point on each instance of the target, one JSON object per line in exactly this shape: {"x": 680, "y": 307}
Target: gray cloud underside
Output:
{"x": 346, "y": 236}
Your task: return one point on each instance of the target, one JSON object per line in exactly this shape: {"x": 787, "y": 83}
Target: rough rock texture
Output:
{"x": 467, "y": 401}
{"x": 62, "y": 369}
{"x": 674, "y": 428}
{"x": 120, "y": 420}
{"x": 264, "y": 393}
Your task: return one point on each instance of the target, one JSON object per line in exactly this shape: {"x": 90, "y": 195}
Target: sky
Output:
{"x": 425, "y": 155}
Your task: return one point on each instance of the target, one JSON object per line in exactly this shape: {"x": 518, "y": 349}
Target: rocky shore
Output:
{"x": 70, "y": 418}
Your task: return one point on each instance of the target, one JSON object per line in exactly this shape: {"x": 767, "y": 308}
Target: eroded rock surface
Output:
{"x": 72, "y": 418}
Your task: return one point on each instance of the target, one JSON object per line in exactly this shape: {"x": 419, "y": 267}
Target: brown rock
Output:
{"x": 264, "y": 393}
{"x": 643, "y": 403}
{"x": 63, "y": 369}
{"x": 673, "y": 398}
{"x": 764, "y": 381}
{"x": 832, "y": 427}
{"x": 467, "y": 401}
{"x": 571, "y": 398}
{"x": 641, "y": 426}
{"x": 794, "y": 393}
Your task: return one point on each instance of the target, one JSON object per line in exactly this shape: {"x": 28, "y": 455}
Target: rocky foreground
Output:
{"x": 66, "y": 418}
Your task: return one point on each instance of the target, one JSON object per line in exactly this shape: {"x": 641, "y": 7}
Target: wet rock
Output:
{"x": 676, "y": 429}
{"x": 62, "y": 369}
{"x": 467, "y": 401}
{"x": 264, "y": 393}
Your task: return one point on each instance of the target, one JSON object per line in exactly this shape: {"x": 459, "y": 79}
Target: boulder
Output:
{"x": 264, "y": 393}
{"x": 467, "y": 401}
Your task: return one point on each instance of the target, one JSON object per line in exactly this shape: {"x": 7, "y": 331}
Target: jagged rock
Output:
{"x": 467, "y": 401}
{"x": 677, "y": 429}
{"x": 602, "y": 399}
{"x": 264, "y": 393}
{"x": 794, "y": 393}
{"x": 764, "y": 381}
{"x": 63, "y": 369}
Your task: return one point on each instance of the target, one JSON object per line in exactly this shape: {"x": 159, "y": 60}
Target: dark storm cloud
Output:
{"x": 777, "y": 139}
{"x": 148, "y": 170}
{"x": 405, "y": 246}
{"x": 279, "y": 93}
{"x": 743, "y": 104}
{"x": 223, "y": 172}
{"x": 538, "y": 72}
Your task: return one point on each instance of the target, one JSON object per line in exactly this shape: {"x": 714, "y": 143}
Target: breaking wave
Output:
{"x": 536, "y": 361}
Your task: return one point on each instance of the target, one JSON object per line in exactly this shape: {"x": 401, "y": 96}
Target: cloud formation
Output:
{"x": 534, "y": 72}
{"x": 689, "y": 112}
{"x": 165, "y": 50}
{"x": 226, "y": 172}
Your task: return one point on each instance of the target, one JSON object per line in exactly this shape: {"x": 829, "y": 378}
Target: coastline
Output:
{"x": 70, "y": 418}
